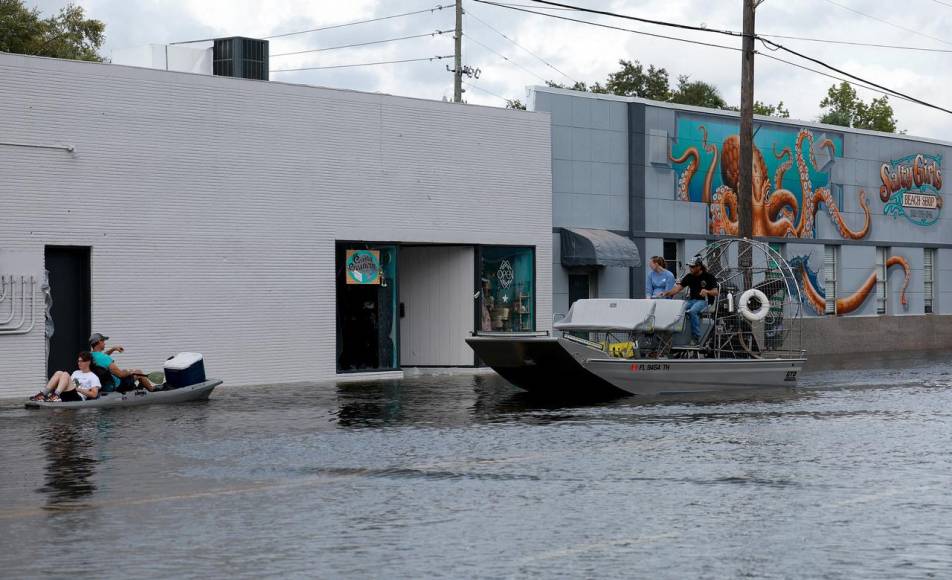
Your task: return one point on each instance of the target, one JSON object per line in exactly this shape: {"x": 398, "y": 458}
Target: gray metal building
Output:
{"x": 859, "y": 213}
{"x": 288, "y": 233}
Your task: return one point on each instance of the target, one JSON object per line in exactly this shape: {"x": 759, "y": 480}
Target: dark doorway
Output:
{"x": 68, "y": 269}
{"x": 367, "y": 332}
{"x": 579, "y": 287}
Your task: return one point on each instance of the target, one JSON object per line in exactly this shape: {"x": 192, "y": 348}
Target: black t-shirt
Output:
{"x": 704, "y": 281}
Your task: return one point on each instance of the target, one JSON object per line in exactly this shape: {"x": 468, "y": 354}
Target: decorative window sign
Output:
{"x": 363, "y": 266}
{"x": 911, "y": 188}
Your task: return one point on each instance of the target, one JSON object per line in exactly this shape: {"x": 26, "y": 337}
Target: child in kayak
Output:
{"x": 81, "y": 385}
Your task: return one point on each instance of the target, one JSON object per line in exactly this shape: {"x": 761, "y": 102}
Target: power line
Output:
{"x": 608, "y": 26}
{"x": 893, "y": 24}
{"x": 766, "y": 42}
{"x": 847, "y": 42}
{"x": 541, "y": 7}
{"x": 548, "y": 64}
{"x": 852, "y": 76}
{"x": 354, "y": 23}
{"x": 431, "y": 58}
{"x": 504, "y": 57}
{"x": 479, "y": 88}
{"x": 942, "y": 3}
{"x": 437, "y": 33}
{"x": 821, "y": 73}
{"x": 639, "y": 19}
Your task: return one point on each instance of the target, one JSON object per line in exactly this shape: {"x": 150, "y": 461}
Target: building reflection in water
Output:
{"x": 70, "y": 464}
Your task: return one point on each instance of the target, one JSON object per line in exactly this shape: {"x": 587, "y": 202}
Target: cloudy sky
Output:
{"x": 514, "y": 49}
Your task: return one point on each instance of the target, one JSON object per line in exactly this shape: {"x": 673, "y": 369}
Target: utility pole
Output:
{"x": 745, "y": 187}
{"x": 458, "y": 71}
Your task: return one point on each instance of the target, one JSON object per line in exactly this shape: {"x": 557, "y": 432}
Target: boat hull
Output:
{"x": 196, "y": 392}
{"x": 539, "y": 364}
{"x": 559, "y": 365}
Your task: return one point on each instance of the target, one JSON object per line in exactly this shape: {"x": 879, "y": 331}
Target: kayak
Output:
{"x": 196, "y": 392}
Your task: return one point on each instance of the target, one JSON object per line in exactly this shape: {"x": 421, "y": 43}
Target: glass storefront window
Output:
{"x": 507, "y": 283}
{"x": 366, "y": 306}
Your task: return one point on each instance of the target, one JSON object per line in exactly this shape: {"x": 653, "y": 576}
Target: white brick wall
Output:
{"x": 212, "y": 204}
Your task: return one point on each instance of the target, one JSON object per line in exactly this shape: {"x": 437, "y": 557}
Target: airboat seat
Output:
{"x": 669, "y": 315}
{"x": 608, "y": 314}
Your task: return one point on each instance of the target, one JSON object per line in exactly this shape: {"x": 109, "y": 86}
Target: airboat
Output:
{"x": 750, "y": 337}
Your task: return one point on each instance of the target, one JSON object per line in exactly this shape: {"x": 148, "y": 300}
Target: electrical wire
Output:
{"x": 504, "y": 57}
{"x": 737, "y": 33}
{"x": 942, "y": 3}
{"x": 331, "y": 27}
{"x": 763, "y": 40}
{"x": 354, "y": 23}
{"x": 431, "y": 58}
{"x": 821, "y": 73}
{"x": 437, "y": 33}
{"x": 539, "y": 58}
{"x": 852, "y": 76}
{"x": 609, "y": 26}
{"x": 850, "y": 43}
{"x": 639, "y": 19}
{"x": 893, "y": 24}
{"x": 479, "y": 88}
{"x": 540, "y": 7}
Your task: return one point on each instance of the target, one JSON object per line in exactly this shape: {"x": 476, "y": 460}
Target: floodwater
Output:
{"x": 465, "y": 477}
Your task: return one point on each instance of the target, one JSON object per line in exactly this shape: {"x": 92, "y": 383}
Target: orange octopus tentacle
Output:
{"x": 783, "y": 167}
{"x": 854, "y": 300}
{"x": 709, "y": 178}
{"x": 817, "y": 301}
{"x": 724, "y": 222}
{"x": 901, "y": 261}
{"x": 823, "y": 194}
{"x": 687, "y": 175}
{"x": 783, "y": 201}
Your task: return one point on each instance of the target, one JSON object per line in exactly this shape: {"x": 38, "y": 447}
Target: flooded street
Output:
{"x": 464, "y": 476}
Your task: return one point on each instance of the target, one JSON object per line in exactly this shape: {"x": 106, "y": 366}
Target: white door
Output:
{"x": 436, "y": 296}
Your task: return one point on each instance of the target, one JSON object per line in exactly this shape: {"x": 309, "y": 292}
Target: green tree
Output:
{"x": 633, "y": 80}
{"x": 515, "y": 104}
{"x": 767, "y": 110}
{"x": 69, "y": 34}
{"x": 843, "y": 107}
{"x": 697, "y": 93}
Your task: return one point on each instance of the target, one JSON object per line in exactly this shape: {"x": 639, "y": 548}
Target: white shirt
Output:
{"x": 86, "y": 381}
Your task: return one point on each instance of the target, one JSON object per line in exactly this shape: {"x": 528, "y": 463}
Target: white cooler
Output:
{"x": 184, "y": 369}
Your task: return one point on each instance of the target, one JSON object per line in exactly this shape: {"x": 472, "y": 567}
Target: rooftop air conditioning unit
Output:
{"x": 245, "y": 58}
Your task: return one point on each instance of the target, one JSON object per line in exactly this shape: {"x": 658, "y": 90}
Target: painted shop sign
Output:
{"x": 911, "y": 188}
{"x": 363, "y": 266}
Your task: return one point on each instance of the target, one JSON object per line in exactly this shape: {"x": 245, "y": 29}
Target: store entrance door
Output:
{"x": 436, "y": 305}
{"x": 68, "y": 269}
{"x": 366, "y": 307}
{"x": 580, "y": 287}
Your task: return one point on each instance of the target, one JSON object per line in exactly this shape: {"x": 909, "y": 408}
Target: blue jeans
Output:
{"x": 695, "y": 308}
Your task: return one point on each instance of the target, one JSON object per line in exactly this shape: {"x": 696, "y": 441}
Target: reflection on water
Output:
{"x": 465, "y": 476}
{"x": 69, "y": 463}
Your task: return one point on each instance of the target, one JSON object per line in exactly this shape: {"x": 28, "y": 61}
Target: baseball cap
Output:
{"x": 696, "y": 261}
{"x": 96, "y": 337}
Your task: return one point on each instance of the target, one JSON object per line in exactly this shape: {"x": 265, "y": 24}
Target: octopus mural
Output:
{"x": 777, "y": 211}
{"x": 815, "y": 295}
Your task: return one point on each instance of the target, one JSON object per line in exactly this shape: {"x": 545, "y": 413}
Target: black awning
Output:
{"x": 583, "y": 247}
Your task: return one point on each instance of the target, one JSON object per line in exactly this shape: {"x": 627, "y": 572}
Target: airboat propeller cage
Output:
{"x": 767, "y": 305}
{"x": 184, "y": 369}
